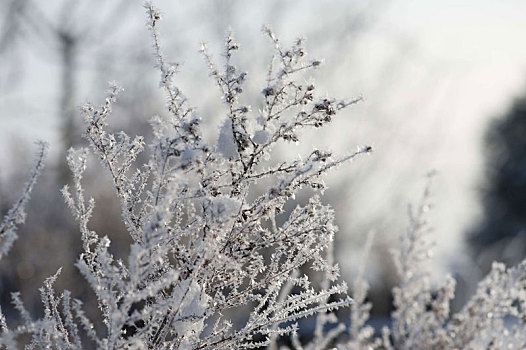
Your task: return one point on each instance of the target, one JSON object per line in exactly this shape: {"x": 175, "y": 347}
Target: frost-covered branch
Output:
{"x": 17, "y": 215}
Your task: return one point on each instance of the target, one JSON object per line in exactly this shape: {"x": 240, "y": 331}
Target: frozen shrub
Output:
{"x": 201, "y": 248}
{"x": 204, "y": 247}
{"x": 494, "y": 318}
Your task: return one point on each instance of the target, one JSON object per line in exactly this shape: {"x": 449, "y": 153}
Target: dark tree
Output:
{"x": 501, "y": 235}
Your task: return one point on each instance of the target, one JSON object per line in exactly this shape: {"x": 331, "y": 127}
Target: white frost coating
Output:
{"x": 188, "y": 155}
{"x": 225, "y": 143}
{"x": 192, "y": 309}
{"x": 261, "y": 120}
{"x": 261, "y": 137}
{"x": 225, "y": 208}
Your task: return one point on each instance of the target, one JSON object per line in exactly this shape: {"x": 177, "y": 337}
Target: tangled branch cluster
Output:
{"x": 204, "y": 249}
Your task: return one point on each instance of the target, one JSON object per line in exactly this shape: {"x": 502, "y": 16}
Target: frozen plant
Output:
{"x": 202, "y": 247}
{"x": 207, "y": 243}
{"x": 494, "y": 318}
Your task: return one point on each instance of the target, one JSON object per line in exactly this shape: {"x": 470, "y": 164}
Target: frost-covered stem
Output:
{"x": 360, "y": 287}
{"x": 16, "y": 215}
{"x": 284, "y": 292}
{"x": 413, "y": 294}
{"x": 109, "y": 150}
{"x": 321, "y": 318}
{"x": 167, "y": 70}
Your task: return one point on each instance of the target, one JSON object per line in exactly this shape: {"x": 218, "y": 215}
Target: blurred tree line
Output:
{"x": 501, "y": 234}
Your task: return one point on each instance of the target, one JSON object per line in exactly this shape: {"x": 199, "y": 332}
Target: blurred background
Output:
{"x": 443, "y": 86}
